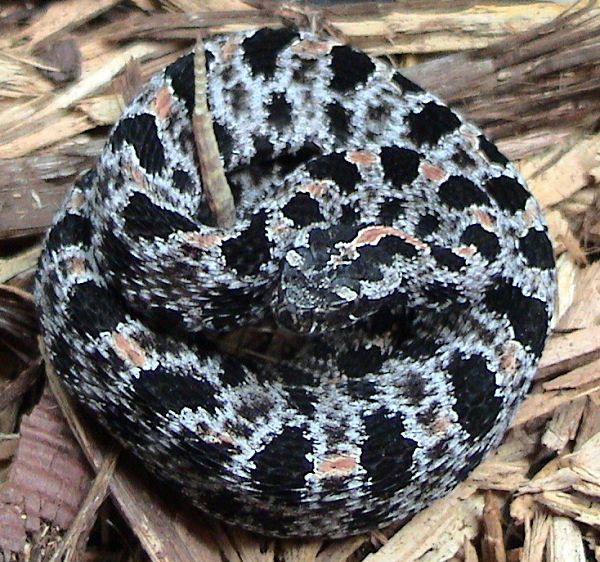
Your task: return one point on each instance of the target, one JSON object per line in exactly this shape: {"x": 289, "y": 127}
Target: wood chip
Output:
{"x": 436, "y": 533}
{"x": 565, "y": 542}
{"x": 567, "y": 351}
{"x": 584, "y": 311}
{"x": 556, "y": 176}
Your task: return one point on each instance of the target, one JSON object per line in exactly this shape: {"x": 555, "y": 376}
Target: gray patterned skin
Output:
{"x": 371, "y": 219}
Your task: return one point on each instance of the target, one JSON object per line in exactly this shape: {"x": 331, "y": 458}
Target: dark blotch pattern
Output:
{"x": 463, "y": 159}
{"x": 486, "y": 242}
{"x": 339, "y": 120}
{"x": 182, "y": 181}
{"x": 400, "y": 165}
{"x": 181, "y": 73}
{"x": 337, "y": 168}
{"x": 431, "y": 123}
{"x": 427, "y": 224}
{"x": 303, "y": 210}
{"x": 357, "y": 363}
{"x": 474, "y": 387}
{"x": 283, "y": 464}
{"x": 174, "y": 392}
{"x": 364, "y": 267}
{"x": 71, "y": 230}
{"x": 537, "y": 249}
{"x": 406, "y": 84}
{"x": 304, "y": 69}
{"x": 94, "y": 309}
{"x": 527, "y": 315}
{"x": 224, "y": 140}
{"x": 252, "y": 242}
{"x": 280, "y": 111}
{"x": 237, "y": 97}
{"x": 263, "y": 148}
{"x": 262, "y": 48}
{"x": 447, "y": 258}
{"x": 459, "y": 193}
{"x": 350, "y": 68}
{"x": 144, "y": 219}
{"x": 390, "y": 210}
{"x": 386, "y": 454}
{"x": 384, "y": 252}
{"x": 508, "y": 193}
{"x": 140, "y": 131}
{"x": 491, "y": 151}
{"x": 422, "y": 347}
{"x": 302, "y": 400}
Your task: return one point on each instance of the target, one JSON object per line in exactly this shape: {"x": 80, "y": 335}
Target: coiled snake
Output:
{"x": 396, "y": 240}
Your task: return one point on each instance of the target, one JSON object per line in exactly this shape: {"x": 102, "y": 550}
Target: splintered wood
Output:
{"x": 533, "y": 82}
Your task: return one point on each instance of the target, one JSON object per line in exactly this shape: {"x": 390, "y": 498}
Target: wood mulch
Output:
{"x": 528, "y": 72}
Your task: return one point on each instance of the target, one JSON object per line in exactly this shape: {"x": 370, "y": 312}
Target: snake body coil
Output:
{"x": 393, "y": 237}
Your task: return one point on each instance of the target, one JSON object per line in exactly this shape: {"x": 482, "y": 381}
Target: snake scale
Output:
{"x": 390, "y": 236}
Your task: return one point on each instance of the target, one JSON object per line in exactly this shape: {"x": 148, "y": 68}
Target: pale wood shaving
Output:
{"x": 565, "y": 542}
{"x": 493, "y": 534}
{"x": 104, "y": 109}
{"x": 590, "y": 424}
{"x": 339, "y": 551}
{"x": 24, "y": 262}
{"x": 536, "y": 534}
{"x": 563, "y": 426}
{"x": 562, "y": 236}
{"x": 567, "y": 351}
{"x": 566, "y": 273}
{"x": 436, "y": 533}
{"x": 470, "y": 554}
{"x": 300, "y": 551}
{"x": 584, "y": 311}
{"x": 64, "y": 16}
{"x": 580, "y": 509}
{"x": 558, "y": 174}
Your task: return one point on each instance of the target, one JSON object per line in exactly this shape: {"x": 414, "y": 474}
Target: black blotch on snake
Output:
{"x": 526, "y": 314}
{"x": 430, "y": 124}
{"x": 485, "y": 242}
{"x": 400, "y": 165}
{"x": 476, "y": 404}
{"x": 141, "y": 133}
{"x": 537, "y": 249}
{"x": 459, "y": 193}
{"x": 350, "y": 68}
{"x": 508, "y": 193}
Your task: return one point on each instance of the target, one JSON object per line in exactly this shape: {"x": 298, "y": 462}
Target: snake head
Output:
{"x": 311, "y": 297}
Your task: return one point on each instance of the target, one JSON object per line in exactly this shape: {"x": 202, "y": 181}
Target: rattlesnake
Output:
{"x": 390, "y": 235}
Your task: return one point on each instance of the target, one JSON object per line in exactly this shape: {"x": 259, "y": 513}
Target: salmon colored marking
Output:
{"x": 465, "y": 251}
{"x": 441, "y": 424}
{"x": 509, "y": 360}
{"x": 362, "y": 157}
{"x": 203, "y": 241}
{"x": 373, "y": 234}
{"x": 432, "y": 172}
{"x": 315, "y": 187}
{"x": 163, "y": 102}
{"x": 128, "y": 349}
{"x": 77, "y": 265}
{"x": 339, "y": 465}
{"x": 484, "y": 219}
